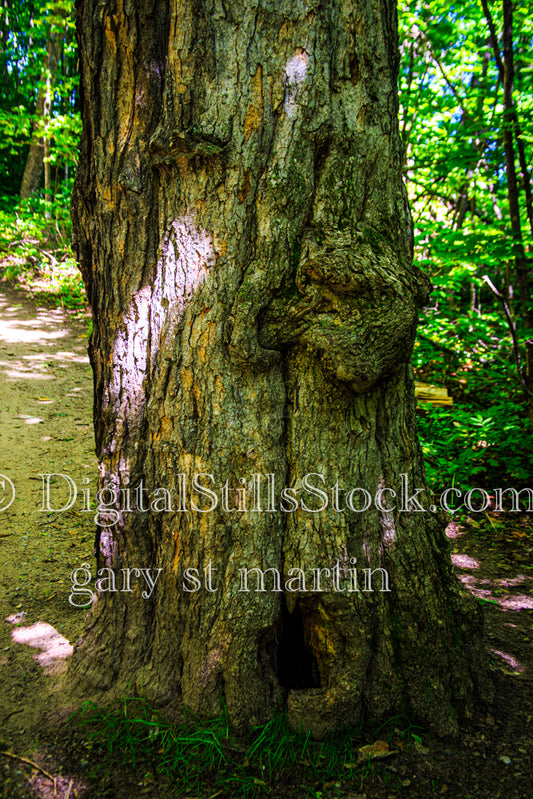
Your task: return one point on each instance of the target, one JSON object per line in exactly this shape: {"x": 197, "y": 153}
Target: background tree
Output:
{"x": 40, "y": 143}
{"x": 244, "y": 236}
{"x": 38, "y": 118}
{"x": 462, "y": 134}
{"x": 39, "y": 135}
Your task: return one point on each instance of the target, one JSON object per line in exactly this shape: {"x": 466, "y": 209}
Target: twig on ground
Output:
{"x": 35, "y": 765}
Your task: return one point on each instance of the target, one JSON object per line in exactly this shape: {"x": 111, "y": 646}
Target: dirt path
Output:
{"x": 45, "y": 429}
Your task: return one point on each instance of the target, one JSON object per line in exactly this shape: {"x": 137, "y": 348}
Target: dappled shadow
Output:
{"x": 481, "y": 580}
{"x": 44, "y": 334}
{"x": 491, "y": 588}
{"x": 504, "y": 589}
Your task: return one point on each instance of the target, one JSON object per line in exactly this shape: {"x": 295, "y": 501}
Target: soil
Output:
{"x": 46, "y": 429}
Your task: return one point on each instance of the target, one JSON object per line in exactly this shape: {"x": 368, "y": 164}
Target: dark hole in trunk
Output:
{"x": 296, "y": 664}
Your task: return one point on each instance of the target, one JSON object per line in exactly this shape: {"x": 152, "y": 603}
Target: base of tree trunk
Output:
{"x": 331, "y": 656}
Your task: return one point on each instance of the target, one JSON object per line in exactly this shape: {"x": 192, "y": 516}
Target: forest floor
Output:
{"x": 46, "y": 428}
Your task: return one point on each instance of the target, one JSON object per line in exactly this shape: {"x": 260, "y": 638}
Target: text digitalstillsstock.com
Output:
{"x": 259, "y": 493}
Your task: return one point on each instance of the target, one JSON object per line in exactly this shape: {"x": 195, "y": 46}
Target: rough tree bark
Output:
{"x": 245, "y": 240}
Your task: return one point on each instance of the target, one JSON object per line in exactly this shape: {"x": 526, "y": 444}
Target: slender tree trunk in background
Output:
{"x": 511, "y": 132}
{"x": 31, "y": 180}
{"x": 47, "y": 175}
{"x": 526, "y": 177}
{"x": 4, "y": 37}
{"x": 521, "y": 267}
{"x": 511, "y": 126}
{"x": 245, "y": 240}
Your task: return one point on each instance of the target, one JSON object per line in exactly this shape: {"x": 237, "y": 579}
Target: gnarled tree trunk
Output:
{"x": 245, "y": 241}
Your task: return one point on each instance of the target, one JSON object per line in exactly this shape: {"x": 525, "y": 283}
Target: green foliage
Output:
{"x": 26, "y": 30}
{"x": 451, "y": 120}
{"x": 35, "y": 250}
{"x": 484, "y": 439}
{"x": 470, "y": 447}
{"x": 35, "y": 234}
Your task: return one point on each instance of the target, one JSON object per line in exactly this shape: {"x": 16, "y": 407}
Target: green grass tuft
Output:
{"x": 204, "y": 758}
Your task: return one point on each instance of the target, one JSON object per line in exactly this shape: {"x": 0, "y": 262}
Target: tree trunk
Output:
{"x": 521, "y": 265}
{"x": 245, "y": 240}
{"x": 510, "y": 127}
{"x": 31, "y": 179}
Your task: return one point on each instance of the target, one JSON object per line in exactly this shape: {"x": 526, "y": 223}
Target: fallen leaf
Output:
{"x": 373, "y": 751}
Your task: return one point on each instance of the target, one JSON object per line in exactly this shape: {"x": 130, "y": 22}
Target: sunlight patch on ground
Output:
{"x": 55, "y": 647}
{"x": 518, "y": 580}
{"x": 25, "y": 374}
{"x": 464, "y": 561}
{"x": 39, "y": 367}
{"x": 491, "y": 590}
{"x": 55, "y": 786}
{"x": 516, "y": 602}
{"x": 70, "y": 356}
{"x": 509, "y": 660}
{"x": 453, "y": 531}
{"x": 45, "y": 357}
{"x": 13, "y": 333}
